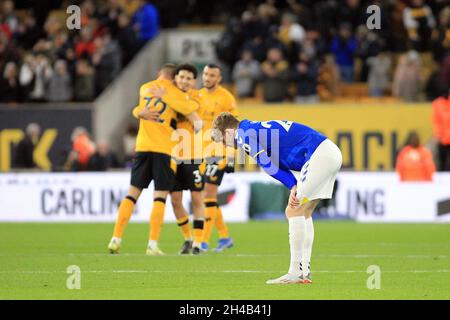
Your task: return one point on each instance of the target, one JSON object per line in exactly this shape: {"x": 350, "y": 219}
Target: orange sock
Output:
{"x": 157, "y": 218}
{"x": 125, "y": 211}
{"x": 183, "y": 223}
{"x": 198, "y": 231}
{"x": 220, "y": 224}
{"x": 210, "y": 217}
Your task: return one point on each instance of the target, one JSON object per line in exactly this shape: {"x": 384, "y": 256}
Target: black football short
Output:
{"x": 188, "y": 177}
{"x": 213, "y": 171}
{"x": 148, "y": 166}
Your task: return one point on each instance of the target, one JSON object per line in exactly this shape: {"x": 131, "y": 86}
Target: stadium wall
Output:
{"x": 95, "y": 197}
{"x": 369, "y": 135}
{"x": 57, "y": 121}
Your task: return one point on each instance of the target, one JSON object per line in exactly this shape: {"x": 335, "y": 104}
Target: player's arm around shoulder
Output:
{"x": 141, "y": 104}
{"x": 179, "y": 101}
{"x": 142, "y": 111}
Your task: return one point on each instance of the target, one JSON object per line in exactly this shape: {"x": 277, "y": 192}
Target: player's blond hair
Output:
{"x": 224, "y": 121}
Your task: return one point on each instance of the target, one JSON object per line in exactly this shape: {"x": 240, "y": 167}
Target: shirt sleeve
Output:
{"x": 142, "y": 102}
{"x": 136, "y": 111}
{"x": 184, "y": 106}
{"x": 284, "y": 176}
{"x": 249, "y": 142}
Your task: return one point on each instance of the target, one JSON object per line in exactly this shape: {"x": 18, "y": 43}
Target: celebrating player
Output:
{"x": 216, "y": 100}
{"x": 189, "y": 158}
{"x": 304, "y": 160}
{"x": 153, "y": 153}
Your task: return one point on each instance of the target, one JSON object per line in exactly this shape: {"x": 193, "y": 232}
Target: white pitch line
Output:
{"x": 214, "y": 271}
{"x": 411, "y": 256}
{"x": 245, "y": 255}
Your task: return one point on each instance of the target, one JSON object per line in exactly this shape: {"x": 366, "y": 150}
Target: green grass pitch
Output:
{"x": 414, "y": 260}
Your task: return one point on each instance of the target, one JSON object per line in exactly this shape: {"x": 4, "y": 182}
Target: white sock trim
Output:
{"x": 153, "y": 244}
{"x": 115, "y": 239}
{"x": 297, "y": 234}
{"x": 308, "y": 244}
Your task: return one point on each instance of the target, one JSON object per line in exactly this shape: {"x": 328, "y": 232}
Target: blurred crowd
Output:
{"x": 302, "y": 50}
{"x": 83, "y": 153}
{"x": 42, "y": 60}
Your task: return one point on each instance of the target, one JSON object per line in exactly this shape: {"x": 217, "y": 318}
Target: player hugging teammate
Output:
{"x": 169, "y": 107}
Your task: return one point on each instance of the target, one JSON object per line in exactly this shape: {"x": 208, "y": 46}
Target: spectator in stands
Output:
{"x": 275, "y": 75}
{"x": 441, "y": 36}
{"x": 60, "y": 84}
{"x": 368, "y": 46}
{"x": 10, "y": 88}
{"x": 303, "y": 12}
{"x": 415, "y": 162}
{"x": 398, "y": 35}
{"x": 9, "y": 17}
{"x": 129, "y": 145}
{"x": 314, "y": 45}
{"x": 419, "y": 21}
{"x": 228, "y": 46}
{"x": 407, "y": 77}
{"x": 107, "y": 60}
{"x": 127, "y": 39}
{"x": 40, "y": 36}
{"x": 29, "y": 32}
{"x": 88, "y": 13}
{"x": 343, "y": 47}
{"x": 267, "y": 14}
{"x": 379, "y": 68}
{"x": 84, "y": 81}
{"x": 351, "y": 13}
{"x": 272, "y": 41}
{"x": 8, "y": 52}
{"x": 252, "y": 27}
{"x": 305, "y": 75}
{"x": 83, "y": 146}
{"x": 441, "y": 128}
{"x": 290, "y": 32}
{"x": 53, "y": 25}
{"x": 444, "y": 74}
{"x": 146, "y": 22}
{"x": 246, "y": 73}
{"x": 109, "y": 15}
{"x": 103, "y": 158}
{"x": 84, "y": 48}
{"x": 329, "y": 79}
{"x": 25, "y": 148}
{"x": 72, "y": 162}
{"x": 439, "y": 80}
{"x": 35, "y": 74}
{"x": 60, "y": 45}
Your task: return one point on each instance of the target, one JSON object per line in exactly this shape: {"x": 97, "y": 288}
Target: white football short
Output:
{"x": 318, "y": 174}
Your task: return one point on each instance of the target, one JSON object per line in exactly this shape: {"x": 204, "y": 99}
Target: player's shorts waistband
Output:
{"x": 188, "y": 161}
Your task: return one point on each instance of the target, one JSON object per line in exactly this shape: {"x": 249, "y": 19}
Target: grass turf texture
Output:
{"x": 414, "y": 261}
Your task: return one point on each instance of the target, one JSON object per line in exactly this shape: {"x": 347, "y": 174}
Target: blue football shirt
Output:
{"x": 278, "y": 146}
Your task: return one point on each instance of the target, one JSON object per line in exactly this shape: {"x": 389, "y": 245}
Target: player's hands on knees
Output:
{"x": 149, "y": 114}
{"x": 293, "y": 200}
